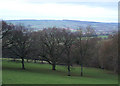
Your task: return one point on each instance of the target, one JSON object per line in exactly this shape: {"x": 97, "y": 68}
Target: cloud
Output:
{"x": 19, "y": 9}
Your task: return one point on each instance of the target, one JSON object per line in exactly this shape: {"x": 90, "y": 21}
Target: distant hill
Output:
{"x": 72, "y": 24}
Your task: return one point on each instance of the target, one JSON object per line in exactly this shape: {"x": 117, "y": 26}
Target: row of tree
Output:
{"x": 59, "y": 46}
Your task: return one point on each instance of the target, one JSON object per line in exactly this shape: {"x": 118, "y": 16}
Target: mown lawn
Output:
{"x": 42, "y": 74}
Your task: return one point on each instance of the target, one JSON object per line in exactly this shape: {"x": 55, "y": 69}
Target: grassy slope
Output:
{"x": 42, "y": 74}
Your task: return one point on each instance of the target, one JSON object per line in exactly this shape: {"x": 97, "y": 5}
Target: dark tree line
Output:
{"x": 57, "y": 46}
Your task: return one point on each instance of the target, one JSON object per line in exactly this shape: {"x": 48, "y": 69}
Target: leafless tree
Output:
{"x": 82, "y": 44}
{"x": 68, "y": 40}
{"x": 19, "y": 43}
{"x": 51, "y": 45}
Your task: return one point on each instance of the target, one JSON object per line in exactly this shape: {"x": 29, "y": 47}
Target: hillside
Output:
{"x": 42, "y": 74}
{"x": 72, "y": 24}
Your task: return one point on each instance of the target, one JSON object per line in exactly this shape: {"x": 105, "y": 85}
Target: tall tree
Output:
{"x": 50, "y": 43}
{"x": 108, "y": 53}
{"x": 19, "y": 43}
{"x": 82, "y": 44}
{"x": 68, "y": 40}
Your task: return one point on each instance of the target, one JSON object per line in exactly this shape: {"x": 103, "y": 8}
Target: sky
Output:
{"x": 84, "y": 10}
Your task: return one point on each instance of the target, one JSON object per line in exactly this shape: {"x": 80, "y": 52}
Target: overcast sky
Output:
{"x": 99, "y": 10}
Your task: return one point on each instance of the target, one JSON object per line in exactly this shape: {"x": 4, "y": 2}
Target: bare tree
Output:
{"x": 108, "y": 53}
{"x": 19, "y": 43}
{"x": 51, "y": 45}
{"x": 6, "y": 28}
{"x": 82, "y": 44}
{"x": 68, "y": 40}
{"x": 5, "y": 31}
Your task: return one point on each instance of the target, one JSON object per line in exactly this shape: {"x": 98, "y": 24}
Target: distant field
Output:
{"x": 103, "y": 36}
{"x": 74, "y": 24}
{"x": 42, "y": 74}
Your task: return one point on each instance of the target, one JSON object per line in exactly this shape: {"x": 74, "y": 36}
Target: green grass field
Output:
{"x": 102, "y": 36}
{"x": 42, "y": 74}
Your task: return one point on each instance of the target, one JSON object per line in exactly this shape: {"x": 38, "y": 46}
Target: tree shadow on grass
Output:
{"x": 46, "y": 69}
{"x": 36, "y": 70}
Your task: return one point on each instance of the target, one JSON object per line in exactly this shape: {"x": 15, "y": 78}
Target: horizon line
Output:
{"x": 62, "y": 20}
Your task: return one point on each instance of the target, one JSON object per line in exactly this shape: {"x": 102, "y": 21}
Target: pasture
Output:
{"x": 37, "y": 73}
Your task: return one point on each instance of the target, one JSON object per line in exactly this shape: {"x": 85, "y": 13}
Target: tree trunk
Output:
{"x": 68, "y": 70}
{"x": 53, "y": 67}
{"x": 23, "y": 67}
{"x": 115, "y": 68}
{"x": 42, "y": 62}
{"x": 81, "y": 69}
{"x": 27, "y": 60}
{"x": 34, "y": 60}
{"x": 14, "y": 59}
